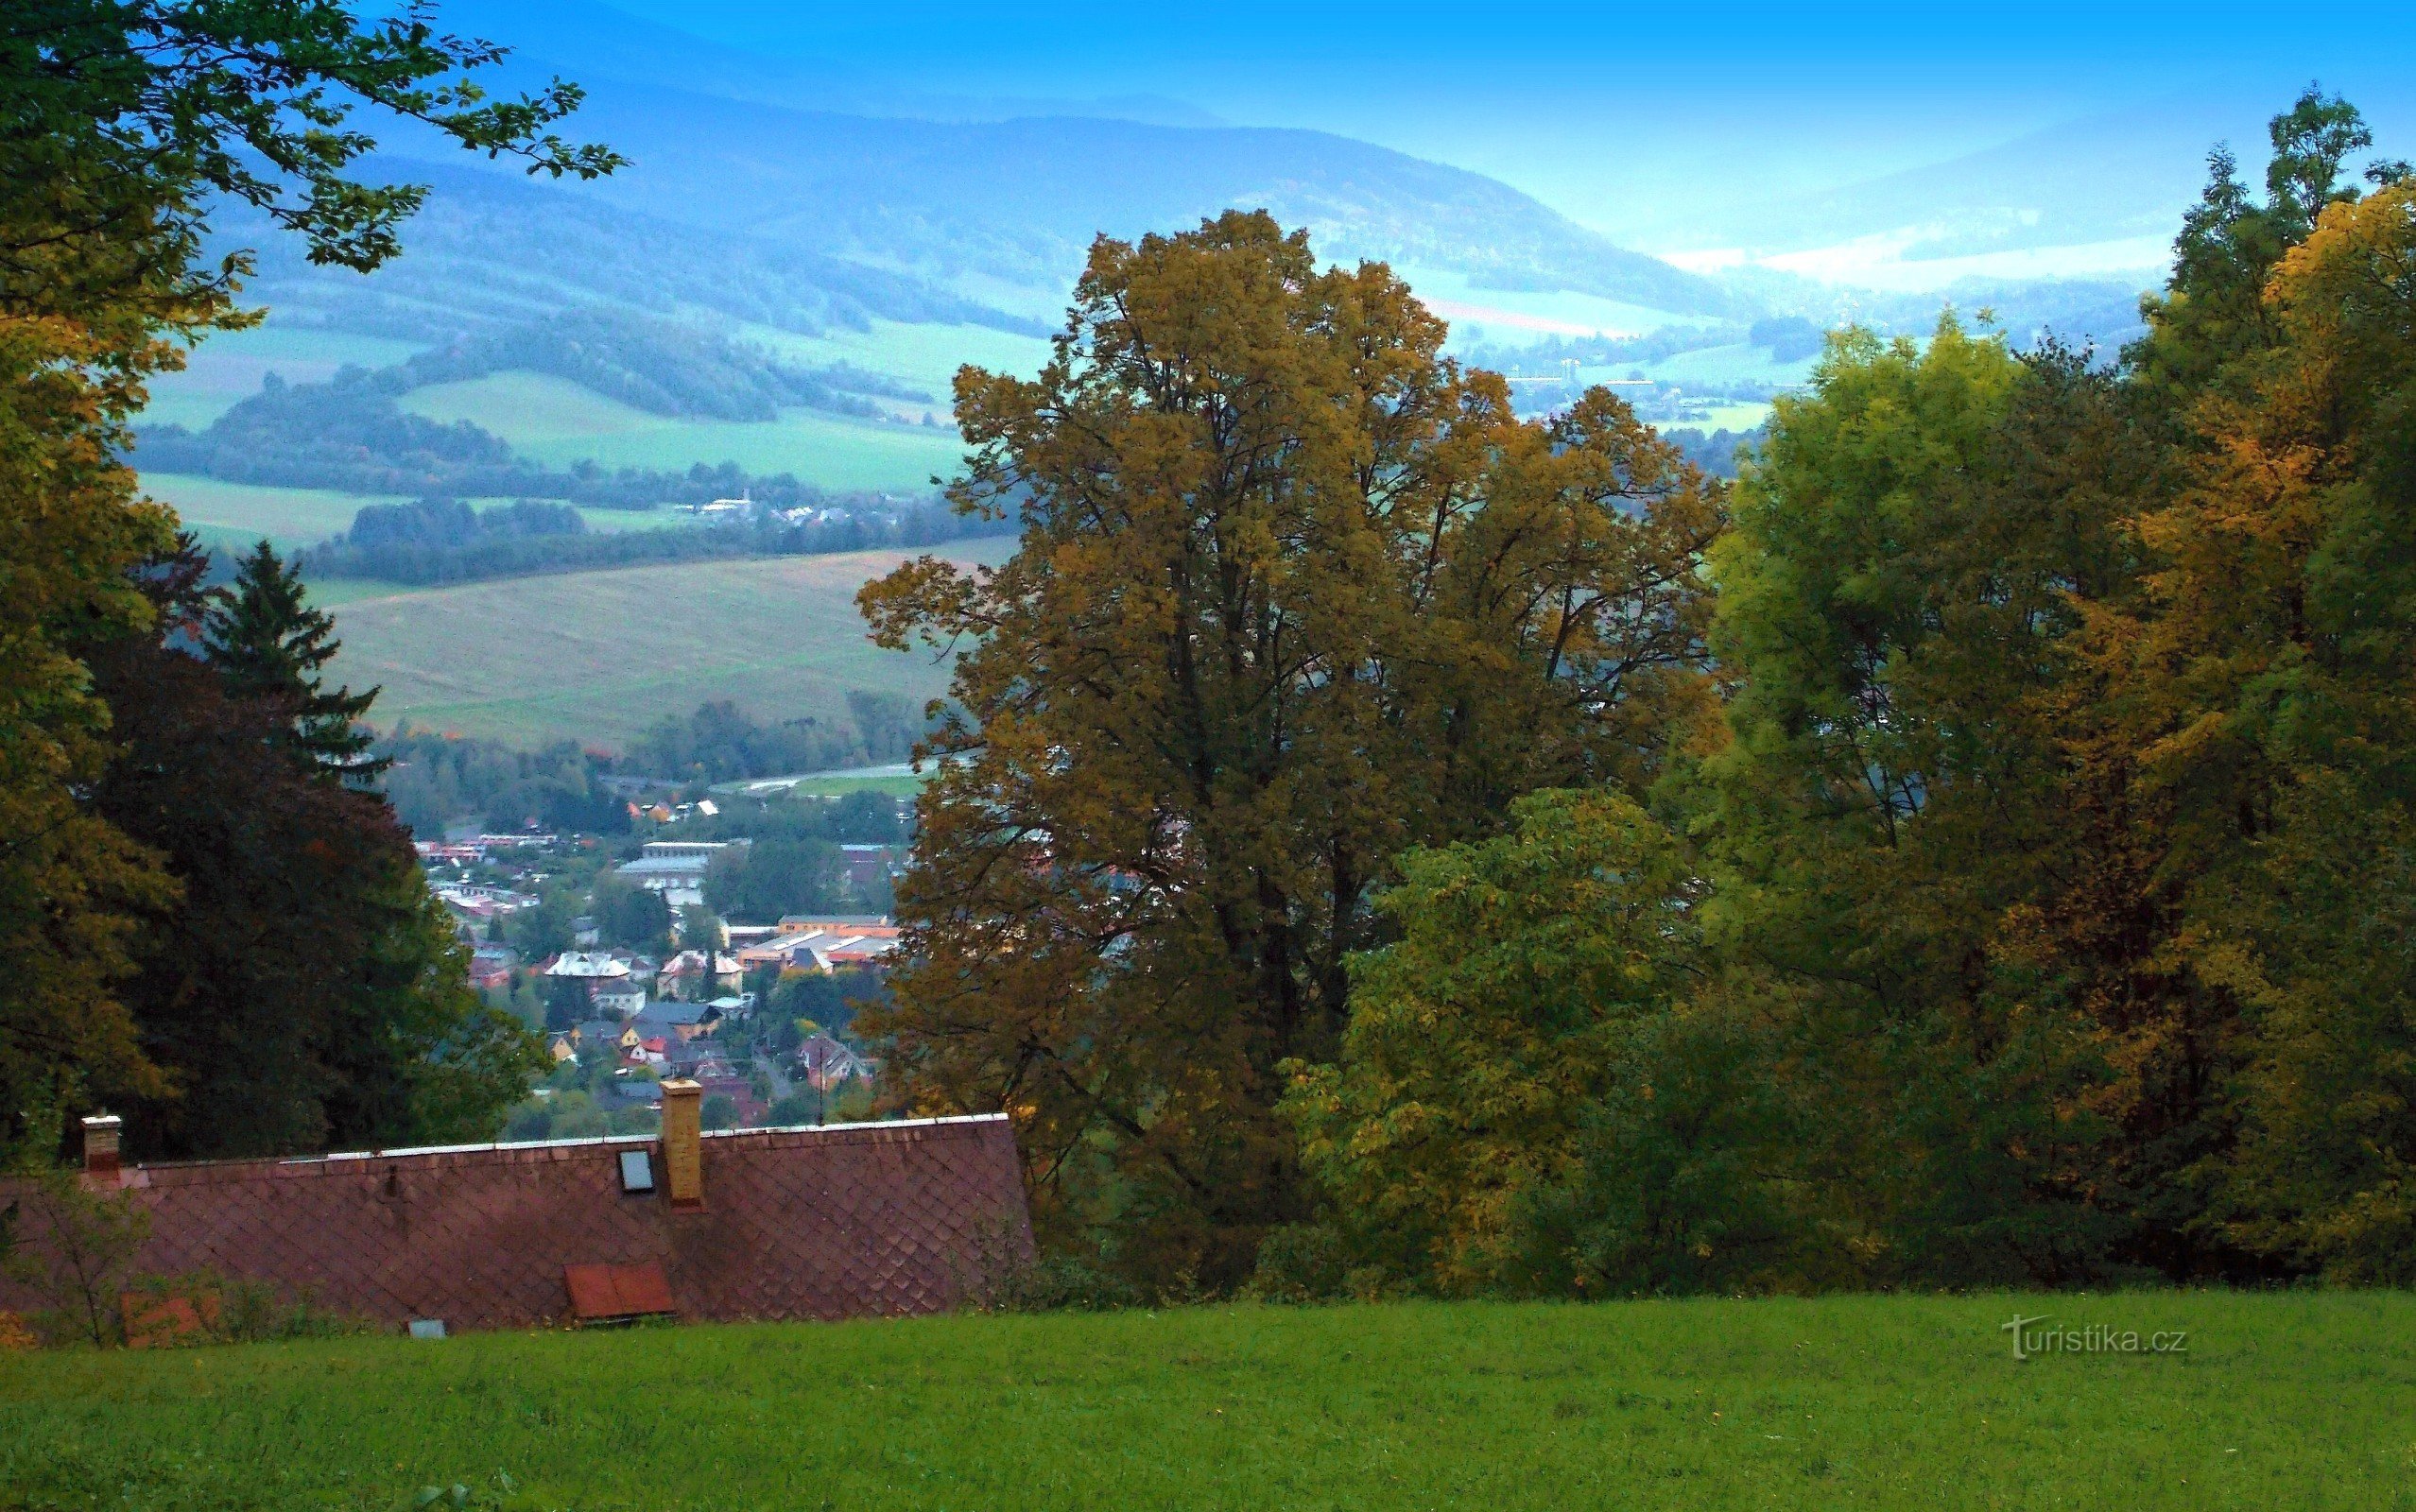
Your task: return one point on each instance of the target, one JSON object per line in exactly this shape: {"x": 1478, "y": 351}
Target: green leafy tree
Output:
{"x": 629, "y": 916}
{"x": 1532, "y": 971}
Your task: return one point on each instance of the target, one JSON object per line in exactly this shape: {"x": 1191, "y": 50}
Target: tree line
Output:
{"x": 1391, "y": 846}
{"x": 445, "y": 540}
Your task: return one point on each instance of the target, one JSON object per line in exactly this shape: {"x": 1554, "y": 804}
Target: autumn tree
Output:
{"x": 2267, "y": 687}
{"x": 1294, "y": 593}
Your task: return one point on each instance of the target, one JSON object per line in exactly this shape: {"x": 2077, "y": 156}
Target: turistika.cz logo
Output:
{"x": 2030, "y": 1339}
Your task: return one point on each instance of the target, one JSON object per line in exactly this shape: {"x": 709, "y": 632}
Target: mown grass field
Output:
{"x": 601, "y": 655}
{"x": 2303, "y": 1401}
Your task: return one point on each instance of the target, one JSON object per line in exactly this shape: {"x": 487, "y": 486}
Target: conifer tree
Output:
{"x": 270, "y": 643}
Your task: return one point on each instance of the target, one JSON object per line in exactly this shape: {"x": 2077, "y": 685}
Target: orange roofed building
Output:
{"x": 828, "y": 1223}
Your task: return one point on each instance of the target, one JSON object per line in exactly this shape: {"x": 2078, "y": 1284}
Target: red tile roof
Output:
{"x": 825, "y": 1223}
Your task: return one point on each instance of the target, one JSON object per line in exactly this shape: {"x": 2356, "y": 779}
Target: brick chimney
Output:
{"x": 100, "y": 1148}
{"x": 682, "y": 1137}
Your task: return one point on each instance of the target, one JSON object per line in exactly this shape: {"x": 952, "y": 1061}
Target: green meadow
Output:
{"x": 601, "y": 656}
{"x": 558, "y": 423}
{"x": 2281, "y": 1401}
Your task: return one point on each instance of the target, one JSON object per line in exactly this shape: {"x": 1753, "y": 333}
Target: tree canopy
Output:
{"x": 1294, "y": 593}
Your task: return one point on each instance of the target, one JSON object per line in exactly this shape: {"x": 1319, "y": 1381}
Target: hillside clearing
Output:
{"x": 601, "y": 655}
{"x": 2281, "y": 1401}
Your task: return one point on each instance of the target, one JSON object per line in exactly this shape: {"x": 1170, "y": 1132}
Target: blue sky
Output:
{"x": 1591, "y": 107}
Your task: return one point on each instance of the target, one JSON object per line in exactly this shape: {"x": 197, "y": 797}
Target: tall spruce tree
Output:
{"x": 270, "y": 645}
{"x": 303, "y": 991}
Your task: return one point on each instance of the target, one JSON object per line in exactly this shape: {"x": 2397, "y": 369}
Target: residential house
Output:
{"x": 689, "y": 974}
{"x": 617, "y": 997}
{"x": 585, "y": 932}
{"x": 590, "y": 967}
{"x": 869, "y": 1219}
{"x": 826, "y": 1062}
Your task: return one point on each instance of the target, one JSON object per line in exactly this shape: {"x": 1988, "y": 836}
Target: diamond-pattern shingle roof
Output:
{"x": 822, "y": 1223}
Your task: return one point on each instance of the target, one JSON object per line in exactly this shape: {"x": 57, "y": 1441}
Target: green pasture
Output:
{"x": 922, "y": 356}
{"x": 558, "y": 423}
{"x": 2281, "y": 1401}
{"x": 229, "y": 365}
{"x": 601, "y": 656}
{"x": 890, "y": 778}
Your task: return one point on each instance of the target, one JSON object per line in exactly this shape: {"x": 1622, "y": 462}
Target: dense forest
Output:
{"x": 1487, "y": 855}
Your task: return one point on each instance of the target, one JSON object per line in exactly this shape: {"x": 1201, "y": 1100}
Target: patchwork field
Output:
{"x": 601, "y": 656}
{"x": 2281, "y": 1401}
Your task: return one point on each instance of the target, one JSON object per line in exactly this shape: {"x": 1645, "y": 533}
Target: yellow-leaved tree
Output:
{"x": 1294, "y": 594}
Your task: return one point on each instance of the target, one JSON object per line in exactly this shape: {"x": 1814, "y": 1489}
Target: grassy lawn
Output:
{"x": 2282, "y": 1401}
{"x": 601, "y": 655}
{"x": 558, "y": 423}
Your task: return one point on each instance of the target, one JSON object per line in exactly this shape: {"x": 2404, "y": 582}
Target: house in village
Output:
{"x": 691, "y": 974}
{"x": 848, "y": 1221}
{"x": 617, "y": 997}
{"x": 591, "y": 967}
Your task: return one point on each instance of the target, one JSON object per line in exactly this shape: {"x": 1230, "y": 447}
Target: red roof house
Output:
{"x": 822, "y": 1223}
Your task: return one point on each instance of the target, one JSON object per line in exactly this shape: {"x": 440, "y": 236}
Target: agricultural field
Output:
{"x": 1482, "y": 316}
{"x": 558, "y": 423}
{"x": 2280, "y": 1402}
{"x": 601, "y": 656}
{"x": 896, "y": 778}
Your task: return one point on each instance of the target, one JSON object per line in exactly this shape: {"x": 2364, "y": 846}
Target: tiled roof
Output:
{"x": 828, "y": 1223}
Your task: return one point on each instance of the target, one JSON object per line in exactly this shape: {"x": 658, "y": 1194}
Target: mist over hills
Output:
{"x": 863, "y": 237}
